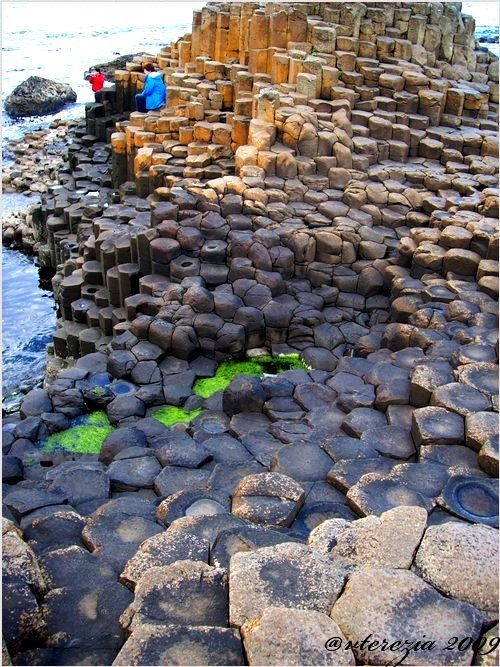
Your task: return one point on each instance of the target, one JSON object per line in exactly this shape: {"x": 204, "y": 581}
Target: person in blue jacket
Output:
{"x": 154, "y": 93}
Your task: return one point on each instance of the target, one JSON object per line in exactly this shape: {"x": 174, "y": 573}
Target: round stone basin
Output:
{"x": 213, "y": 426}
{"x": 204, "y": 507}
{"x": 474, "y": 499}
{"x": 99, "y": 380}
{"x": 122, "y": 388}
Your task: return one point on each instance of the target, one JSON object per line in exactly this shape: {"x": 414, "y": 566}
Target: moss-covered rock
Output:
{"x": 87, "y": 433}
{"x": 170, "y": 415}
{"x": 84, "y": 437}
{"x": 228, "y": 370}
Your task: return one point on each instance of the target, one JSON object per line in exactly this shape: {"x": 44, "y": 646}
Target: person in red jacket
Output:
{"x": 96, "y": 79}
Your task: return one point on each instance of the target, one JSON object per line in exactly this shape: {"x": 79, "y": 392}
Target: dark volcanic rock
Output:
{"x": 54, "y": 530}
{"x": 73, "y": 566}
{"x": 37, "y": 96}
{"x": 244, "y": 538}
{"x": 121, "y": 439}
{"x": 184, "y": 592}
{"x": 66, "y": 656}
{"x": 12, "y": 469}
{"x": 23, "y": 501}
{"x": 163, "y": 549}
{"x": 118, "y": 527}
{"x": 150, "y": 645}
{"x": 244, "y": 394}
{"x": 86, "y": 617}
{"x": 139, "y": 472}
{"x": 80, "y": 482}
{"x": 108, "y": 68}
{"x": 22, "y": 620}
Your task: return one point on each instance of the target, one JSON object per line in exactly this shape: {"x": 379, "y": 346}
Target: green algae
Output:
{"x": 98, "y": 391}
{"x": 170, "y": 415}
{"x": 282, "y": 362}
{"x": 86, "y": 437}
{"x": 228, "y": 370}
{"x": 88, "y": 432}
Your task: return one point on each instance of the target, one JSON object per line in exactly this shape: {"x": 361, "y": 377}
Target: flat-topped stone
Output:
{"x": 304, "y": 462}
{"x": 87, "y": 615}
{"x": 263, "y": 578}
{"x": 294, "y": 637}
{"x": 375, "y": 493}
{"x": 163, "y": 549}
{"x": 244, "y": 538}
{"x": 437, "y": 426}
{"x": 190, "y": 645}
{"x": 268, "y": 499}
{"x": 395, "y": 596}
{"x": 183, "y": 592}
{"x": 389, "y": 540}
{"x": 460, "y": 561}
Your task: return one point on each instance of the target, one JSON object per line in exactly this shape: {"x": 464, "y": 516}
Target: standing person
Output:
{"x": 154, "y": 94}
{"x": 96, "y": 79}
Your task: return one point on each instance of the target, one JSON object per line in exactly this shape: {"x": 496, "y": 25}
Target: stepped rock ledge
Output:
{"x": 270, "y": 413}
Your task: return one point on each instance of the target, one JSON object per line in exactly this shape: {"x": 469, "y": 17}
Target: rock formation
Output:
{"x": 37, "y": 97}
{"x": 322, "y": 182}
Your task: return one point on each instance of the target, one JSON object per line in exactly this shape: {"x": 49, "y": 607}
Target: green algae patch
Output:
{"x": 170, "y": 415}
{"x": 228, "y": 370}
{"x": 282, "y": 362}
{"x": 85, "y": 437}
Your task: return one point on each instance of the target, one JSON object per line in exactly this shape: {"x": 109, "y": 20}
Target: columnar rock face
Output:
{"x": 323, "y": 180}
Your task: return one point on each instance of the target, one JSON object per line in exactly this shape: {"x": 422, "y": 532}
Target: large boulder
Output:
{"x": 37, "y": 96}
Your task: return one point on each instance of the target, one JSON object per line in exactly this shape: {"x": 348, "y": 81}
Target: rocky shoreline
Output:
{"x": 36, "y": 161}
{"x": 273, "y": 393}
